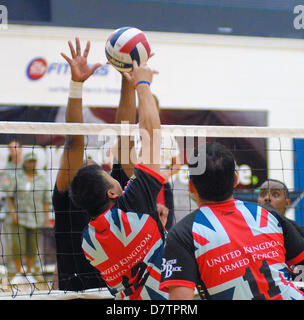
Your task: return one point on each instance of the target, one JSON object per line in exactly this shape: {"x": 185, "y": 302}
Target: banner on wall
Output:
{"x": 250, "y": 154}
{"x": 39, "y": 75}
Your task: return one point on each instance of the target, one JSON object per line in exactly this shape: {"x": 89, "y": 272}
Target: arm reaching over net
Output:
{"x": 149, "y": 121}
{"x": 72, "y": 158}
{"x": 126, "y": 112}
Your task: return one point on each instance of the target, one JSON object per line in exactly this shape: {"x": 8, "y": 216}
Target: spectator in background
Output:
{"x": 29, "y": 199}
{"x": 14, "y": 163}
{"x": 274, "y": 194}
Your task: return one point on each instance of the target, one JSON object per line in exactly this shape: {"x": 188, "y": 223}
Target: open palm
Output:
{"x": 80, "y": 69}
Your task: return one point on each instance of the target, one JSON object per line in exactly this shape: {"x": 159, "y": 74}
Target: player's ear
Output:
{"x": 112, "y": 194}
{"x": 236, "y": 180}
{"x": 191, "y": 187}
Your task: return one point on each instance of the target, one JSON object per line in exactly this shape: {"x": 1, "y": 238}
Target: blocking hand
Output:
{"x": 80, "y": 69}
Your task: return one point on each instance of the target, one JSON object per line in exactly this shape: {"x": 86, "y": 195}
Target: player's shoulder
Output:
{"x": 183, "y": 228}
{"x": 142, "y": 170}
{"x": 257, "y": 210}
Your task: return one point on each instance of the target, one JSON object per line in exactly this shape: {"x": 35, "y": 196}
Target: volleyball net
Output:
{"x": 260, "y": 152}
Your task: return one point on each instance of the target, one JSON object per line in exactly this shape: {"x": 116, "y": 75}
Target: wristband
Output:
{"x": 75, "y": 89}
{"x": 141, "y": 82}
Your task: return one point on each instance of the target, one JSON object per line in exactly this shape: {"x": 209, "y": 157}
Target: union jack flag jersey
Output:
{"x": 126, "y": 243}
{"x": 233, "y": 250}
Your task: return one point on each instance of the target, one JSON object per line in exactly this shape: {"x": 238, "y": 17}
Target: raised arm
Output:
{"x": 126, "y": 112}
{"x": 149, "y": 121}
{"x": 72, "y": 158}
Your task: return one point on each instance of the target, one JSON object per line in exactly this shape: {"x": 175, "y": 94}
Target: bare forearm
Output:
{"x": 181, "y": 293}
{"x": 74, "y": 115}
{"x": 126, "y": 112}
{"x": 149, "y": 122}
{"x": 127, "y": 104}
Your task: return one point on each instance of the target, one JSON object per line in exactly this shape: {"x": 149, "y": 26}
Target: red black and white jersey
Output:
{"x": 234, "y": 250}
{"x": 126, "y": 242}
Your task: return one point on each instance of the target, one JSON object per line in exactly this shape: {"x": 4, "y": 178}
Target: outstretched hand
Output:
{"x": 140, "y": 73}
{"x": 80, "y": 69}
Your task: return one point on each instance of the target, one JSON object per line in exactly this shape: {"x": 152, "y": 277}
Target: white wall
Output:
{"x": 196, "y": 71}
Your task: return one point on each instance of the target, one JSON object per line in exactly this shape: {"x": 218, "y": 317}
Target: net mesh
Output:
{"x": 260, "y": 153}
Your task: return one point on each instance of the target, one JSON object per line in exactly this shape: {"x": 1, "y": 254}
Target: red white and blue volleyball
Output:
{"x": 125, "y": 45}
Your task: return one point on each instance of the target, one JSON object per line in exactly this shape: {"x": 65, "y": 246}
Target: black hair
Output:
{"x": 88, "y": 190}
{"x": 282, "y": 183}
{"x": 217, "y": 181}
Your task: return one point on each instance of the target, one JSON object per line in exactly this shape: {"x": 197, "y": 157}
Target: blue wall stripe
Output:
{"x": 298, "y": 146}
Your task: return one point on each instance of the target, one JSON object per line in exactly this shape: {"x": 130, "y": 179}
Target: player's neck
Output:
{"x": 202, "y": 202}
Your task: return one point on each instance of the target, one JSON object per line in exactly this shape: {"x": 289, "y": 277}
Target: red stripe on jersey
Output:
{"x": 199, "y": 239}
{"x": 126, "y": 223}
{"x": 164, "y": 286}
{"x": 264, "y": 218}
{"x": 296, "y": 260}
{"x": 161, "y": 196}
{"x": 87, "y": 255}
{"x": 151, "y": 172}
{"x": 128, "y": 47}
{"x": 154, "y": 274}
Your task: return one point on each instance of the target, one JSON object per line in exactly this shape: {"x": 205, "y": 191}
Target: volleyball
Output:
{"x": 125, "y": 45}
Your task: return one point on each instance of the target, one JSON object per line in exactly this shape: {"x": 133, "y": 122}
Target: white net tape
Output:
{"x": 177, "y": 130}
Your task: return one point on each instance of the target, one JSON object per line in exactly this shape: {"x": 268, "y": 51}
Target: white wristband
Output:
{"x": 75, "y": 90}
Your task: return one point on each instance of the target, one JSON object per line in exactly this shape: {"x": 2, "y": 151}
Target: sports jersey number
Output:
{"x": 273, "y": 288}
{"x": 138, "y": 269}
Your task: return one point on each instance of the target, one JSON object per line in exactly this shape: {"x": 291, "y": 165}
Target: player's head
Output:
{"x": 29, "y": 162}
{"x": 218, "y": 180}
{"x": 94, "y": 190}
{"x": 274, "y": 194}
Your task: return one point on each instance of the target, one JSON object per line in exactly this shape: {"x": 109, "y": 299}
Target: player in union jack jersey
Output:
{"x": 227, "y": 248}
{"x": 75, "y": 273}
{"x": 125, "y": 237}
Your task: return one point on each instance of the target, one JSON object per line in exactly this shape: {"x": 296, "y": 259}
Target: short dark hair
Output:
{"x": 217, "y": 181}
{"x": 88, "y": 190}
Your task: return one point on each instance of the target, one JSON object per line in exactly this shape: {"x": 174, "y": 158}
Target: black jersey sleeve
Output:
{"x": 293, "y": 239}
{"x": 119, "y": 174}
{"x": 179, "y": 267}
{"x": 141, "y": 191}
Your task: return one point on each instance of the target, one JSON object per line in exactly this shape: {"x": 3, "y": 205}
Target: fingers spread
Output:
{"x": 87, "y": 49}
{"x": 73, "y": 53}
{"x": 78, "y": 49}
{"x": 66, "y": 57}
